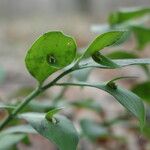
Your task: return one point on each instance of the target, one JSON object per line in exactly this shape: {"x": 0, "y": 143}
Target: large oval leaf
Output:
{"x": 49, "y": 53}
{"x": 102, "y": 41}
{"x": 62, "y": 133}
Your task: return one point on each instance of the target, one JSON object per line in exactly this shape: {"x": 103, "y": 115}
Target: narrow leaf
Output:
{"x": 127, "y": 14}
{"x": 128, "y": 99}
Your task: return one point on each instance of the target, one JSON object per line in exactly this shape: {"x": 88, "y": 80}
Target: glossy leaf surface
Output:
{"x": 102, "y": 41}
{"x": 51, "y": 52}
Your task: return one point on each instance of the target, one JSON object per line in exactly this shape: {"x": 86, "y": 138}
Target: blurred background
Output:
{"x": 23, "y": 21}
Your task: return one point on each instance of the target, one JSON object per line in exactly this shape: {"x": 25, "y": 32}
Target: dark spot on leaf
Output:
{"x": 51, "y": 59}
{"x": 112, "y": 85}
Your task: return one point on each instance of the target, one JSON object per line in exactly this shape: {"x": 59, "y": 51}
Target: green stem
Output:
{"x": 34, "y": 94}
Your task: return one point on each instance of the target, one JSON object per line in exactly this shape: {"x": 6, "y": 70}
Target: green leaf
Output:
{"x": 51, "y": 52}
{"x": 93, "y": 130}
{"x": 40, "y": 106}
{"x": 82, "y": 75}
{"x": 146, "y": 130}
{"x": 121, "y": 55}
{"x": 142, "y": 36}
{"x": 102, "y": 41}
{"x": 101, "y": 59}
{"x": 128, "y": 99}
{"x": 52, "y": 112}
{"x": 88, "y": 104}
{"x": 124, "y": 15}
{"x": 18, "y": 129}
{"x": 62, "y": 133}
{"x": 2, "y": 75}
{"x": 8, "y": 141}
{"x": 119, "y": 62}
{"x": 142, "y": 90}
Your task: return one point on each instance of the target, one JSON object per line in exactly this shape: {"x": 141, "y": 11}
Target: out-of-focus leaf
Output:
{"x": 40, "y": 106}
{"x": 62, "y": 133}
{"x": 88, "y": 104}
{"x": 142, "y": 36}
{"x": 23, "y": 92}
{"x": 93, "y": 130}
{"x": 128, "y": 99}
{"x": 18, "y": 129}
{"x": 121, "y": 55}
{"x": 8, "y": 141}
{"x": 102, "y": 41}
{"x": 4, "y": 106}
{"x": 2, "y": 74}
{"x": 146, "y": 130}
{"x": 82, "y": 75}
{"x": 51, "y": 52}
{"x": 143, "y": 90}
{"x": 127, "y": 14}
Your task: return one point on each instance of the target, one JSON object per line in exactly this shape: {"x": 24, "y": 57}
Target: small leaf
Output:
{"x": 124, "y": 15}
{"x": 143, "y": 90}
{"x": 8, "y": 141}
{"x": 63, "y": 134}
{"x": 101, "y": 59}
{"x": 121, "y": 55}
{"x": 52, "y": 112}
{"x": 88, "y": 104}
{"x": 93, "y": 130}
{"x": 142, "y": 36}
{"x": 102, "y": 41}
{"x": 51, "y": 52}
